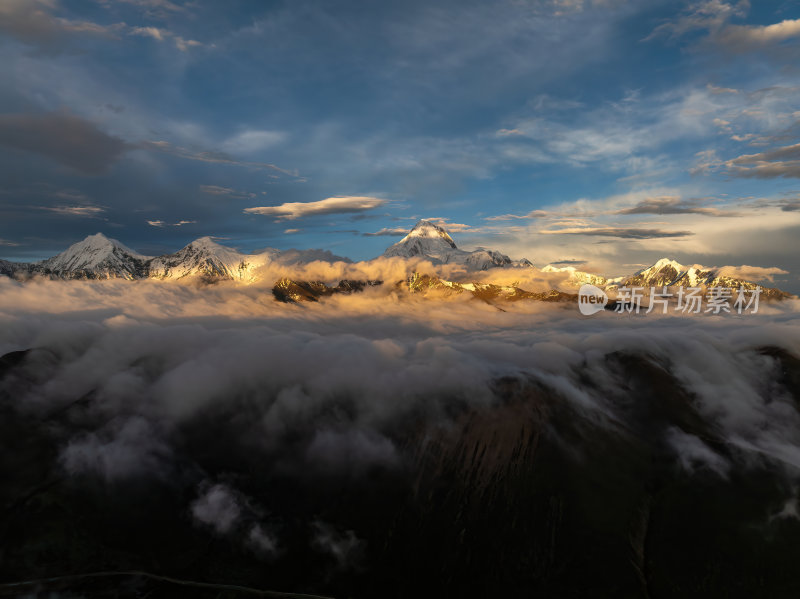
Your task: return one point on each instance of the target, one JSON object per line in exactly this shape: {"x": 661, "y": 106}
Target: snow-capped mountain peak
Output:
{"x": 426, "y": 229}
{"x": 574, "y": 276}
{"x": 664, "y": 272}
{"x": 426, "y": 240}
{"x": 97, "y": 256}
{"x": 666, "y": 262}
{"x": 433, "y": 242}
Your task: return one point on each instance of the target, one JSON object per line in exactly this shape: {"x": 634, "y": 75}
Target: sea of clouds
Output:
{"x": 329, "y": 386}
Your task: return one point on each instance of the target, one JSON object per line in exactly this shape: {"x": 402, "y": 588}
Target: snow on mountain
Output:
{"x": 669, "y": 273}
{"x": 7, "y": 268}
{"x": 663, "y": 272}
{"x": 426, "y": 239}
{"x": 429, "y": 240}
{"x": 206, "y": 258}
{"x": 577, "y": 277}
{"x": 96, "y": 257}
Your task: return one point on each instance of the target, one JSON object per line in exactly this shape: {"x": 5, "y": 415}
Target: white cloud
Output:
{"x": 90, "y": 211}
{"x": 161, "y": 35}
{"x": 747, "y": 36}
{"x": 386, "y": 232}
{"x": 248, "y": 142}
{"x": 217, "y": 507}
{"x": 753, "y": 273}
{"x": 161, "y": 223}
{"x": 621, "y": 232}
{"x": 154, "y": 32}
{"x": 334, "y": 205}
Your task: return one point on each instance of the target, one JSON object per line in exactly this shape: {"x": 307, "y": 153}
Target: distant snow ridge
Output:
{"x": 206, "y": 258}
{"x": 98, "y": 257}
{"x": 429, "y": 240}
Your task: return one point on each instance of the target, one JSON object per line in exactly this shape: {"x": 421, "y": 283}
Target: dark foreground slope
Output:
{"x": 522, "y": 496}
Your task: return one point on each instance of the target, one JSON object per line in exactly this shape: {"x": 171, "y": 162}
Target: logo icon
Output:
{"x": 591, "y": 300}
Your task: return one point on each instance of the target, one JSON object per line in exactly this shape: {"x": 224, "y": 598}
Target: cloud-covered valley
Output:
{"x": 258, "y": 419}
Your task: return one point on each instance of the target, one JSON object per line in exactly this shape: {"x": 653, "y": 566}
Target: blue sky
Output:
{"x": 594, "y": 132}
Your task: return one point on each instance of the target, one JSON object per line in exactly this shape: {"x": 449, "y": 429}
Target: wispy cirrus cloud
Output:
{"x": 162, "y": 35}
{"x": 745, "y": 37}
{"x": 620, "y": 232}
{"x": 33, "y": 22}
{"x": 714, "y": 17}
{"x": 218, "y": 190}
{"x": 676, "y": 205}
{"x": 253, "y": 140}
{"x": 157, "y": 9}
{"x": 88, "y": 211}
{"x": 333, "y": 205}
{"x": 388, "y": 232}
{"x": 161, "y": 223}
{"x": 777, "y": 162}
{"x": 211, "y": 156}
{"x": 530, "y": 215}
{"x": 702, "y": 15}
{"x": 68, "y": 139}
{"x": 568, "y": 262}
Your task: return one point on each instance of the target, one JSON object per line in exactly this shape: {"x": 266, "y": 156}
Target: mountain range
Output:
{"x": 99, "y": 257}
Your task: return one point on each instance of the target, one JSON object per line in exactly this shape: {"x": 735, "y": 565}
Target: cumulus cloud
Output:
{"x": 121, "y": 449}
{"x": 333, "y": 205}
{"x": 68, "y": 139}
{"x": 217, "y": 507}
{"x": 752, "y": 273}
{"x": 343, "y": 546}
{"x": 175, "y": 380}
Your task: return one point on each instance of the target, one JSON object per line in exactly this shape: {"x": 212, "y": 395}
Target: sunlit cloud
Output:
{"x": 161, "y": 223}
{"x": 91, "y": 211}
{"x": 386, "y": 232}
{"x": 333, "y": 205}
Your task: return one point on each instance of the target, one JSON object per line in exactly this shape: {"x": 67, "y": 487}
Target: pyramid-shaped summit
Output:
{"x": 96, "y": 257}
{"x": 433, "y": 242}
{"x": 425, "y": 239}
